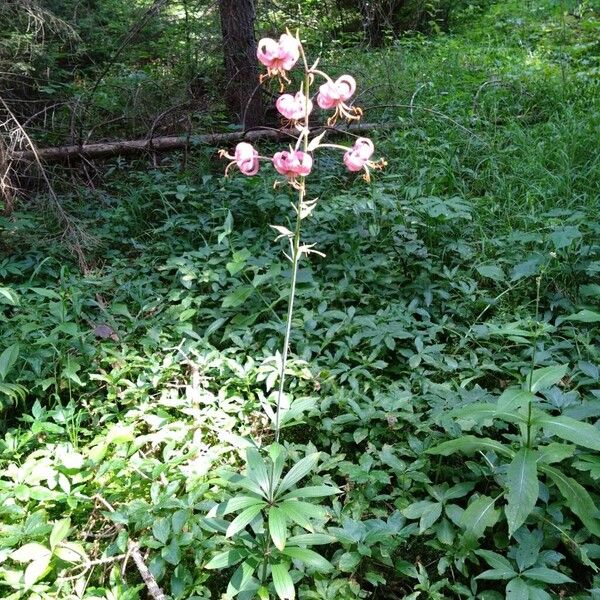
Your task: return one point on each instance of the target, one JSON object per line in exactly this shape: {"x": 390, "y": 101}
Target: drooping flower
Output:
{"x": 358, "y": 157}
{"x": 334, "y": 94}
{"x": 245, "y": 157}
{"x": 292, "y": 164}
{"x": 294, "y": 107}
{"x": 278, "y": 56}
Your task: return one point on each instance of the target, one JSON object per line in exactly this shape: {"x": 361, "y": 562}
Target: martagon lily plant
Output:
{"x": 296, "y": 163}
{"x": 267, "y": 496}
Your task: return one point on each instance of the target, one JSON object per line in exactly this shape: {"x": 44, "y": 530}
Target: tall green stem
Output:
{"x": 533, "y": 349}
{"x": 296, "y": 255}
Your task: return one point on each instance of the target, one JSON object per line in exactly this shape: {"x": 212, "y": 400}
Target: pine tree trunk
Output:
{"x": 242, "y": 94}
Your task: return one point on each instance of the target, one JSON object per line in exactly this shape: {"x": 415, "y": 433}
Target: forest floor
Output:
{"x": 459, "y": 292}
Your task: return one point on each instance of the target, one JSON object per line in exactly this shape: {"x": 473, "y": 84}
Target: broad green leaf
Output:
{"x": 312, "y": 491}
{"x": 583, "y": 316}
{"x": 225, "y": 559}
{"x": 571, "y": 430}
{"x": 59, "y": 532}
{"x": 302, "y": 512}
{"x": 554, "y": 452}
{"x": 496, "y": 574}
{"x": 578, "y": 499}
{"x": 479, "y": 515}
{"x": 242, "y": 520}
{"x": 513, "y": 398}
{"x": 234, "y": 505}
{"x": 29, "y": 552}
{"x": 517, "y": 589}
{"x": 300, "y": 470}
{"x": 495, "y": 560}
{"x": 71, "y": 552}
{"x": 9, "y": 296}
{"x": 277, "y": 526}
{"x": 484, "y": 411}
{"x": 237, "y": 297}
{"x": 546, "y": 575}
{"x": 523, "y": 489}
{"x": 542, "y": 379}
{"x": 494, "y": 272}
{"x": 469, "y": 444}
{"x": 7, "y": 359}
{"x": 284, "y": 586}
{"x": 241, "y": 579}
{"x": 35, "y": 570}
{"x": 310, "y": 558}
{"x": 161, "y": 529}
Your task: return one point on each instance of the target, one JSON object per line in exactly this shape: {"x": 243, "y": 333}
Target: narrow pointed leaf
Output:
{"x": 469, "y": 444}
{"x": 523, "y": 488}
{"x": 571, "y": 430}
{"x": 284, "y": 586}
{"x": 257, "y": 470}
{"x": 578, "y": 499}
{"x": 234, "y": 505}
{"x": 278, "y": 527}
{"x": 242, "y": 520}
{"x": 312, "y": 491}
{"x": 310, "y": 558}
{"x": 542, "y": 379}
{"x": 479, "y": 515}
{"x": 300, "y": 470}
{"x": 225, "y": 559}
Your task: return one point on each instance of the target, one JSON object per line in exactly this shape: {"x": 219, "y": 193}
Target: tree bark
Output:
{"x": 242, "y": 90}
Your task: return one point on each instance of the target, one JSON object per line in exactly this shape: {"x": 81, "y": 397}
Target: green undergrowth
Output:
{"x": 445, "y": 352}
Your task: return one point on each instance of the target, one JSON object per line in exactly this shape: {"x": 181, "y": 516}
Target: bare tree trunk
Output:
{"x": 242, "y": 92}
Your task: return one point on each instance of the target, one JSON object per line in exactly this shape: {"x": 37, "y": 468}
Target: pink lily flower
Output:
{"x": 358, "y": 157}
{"x": 294, "y": 107}
{"x": 292, "y": 164}
{"x": 245, "y": 157}
{"x": 334, "y": 94}
{"x": 280, "y": 56}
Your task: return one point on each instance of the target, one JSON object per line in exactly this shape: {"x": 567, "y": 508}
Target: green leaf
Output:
{"x": 469, "y": 444}
{"x": 237, "y": 297}
{"x": 243, "y": 519}
{"x": 35, "y": 570}
{"x": 7, "y": 359}
{"x": 9, "y": 296}
{"x": 513, "y": 398}
{"x": 277, "y": 526}
{"x": 349, "y": 561}
{"x": 172, "y": 553}
{"x": 312, "y": 491}
{"x": 312, "y": 539}
{"x": 546, "y": 575}
{"x": 523, "y": 488}
{"x": 583, "y": 316}
{"x": 301, "y": 512}
{"x": 225, "y": 559}
{"x": 479, "y": 515}
{"x": 257, "y": 470}
{"x": 554, "y": 452}
{"x": 284, "y": 586}
{"x": 161, "y": 529}
{"x": 571, "y": 430}
{"x": 300, "y": 470}
{"x": 517, "y": 589}
{"x": 241, "y": 579}
{"x": 234, "y": 505}
{"x": 484, "y": 411}
{"x": 29, "y": 552}
{"x": 492, "y": 272}
{"x": 59, "y": 532}
{"x": 542, "y": 379}
{"x": 496, "y": 574}
{"x": 578, "y": 499}
{"x": 495, "y": 560}
{"x": 310, "y": 558}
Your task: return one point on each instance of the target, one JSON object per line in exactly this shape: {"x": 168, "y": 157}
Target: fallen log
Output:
{"x": 168, "y": 143}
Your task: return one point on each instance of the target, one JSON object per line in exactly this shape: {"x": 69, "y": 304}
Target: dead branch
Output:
{"x": 133, "y": 550}
{"x": 168, "y": 143}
